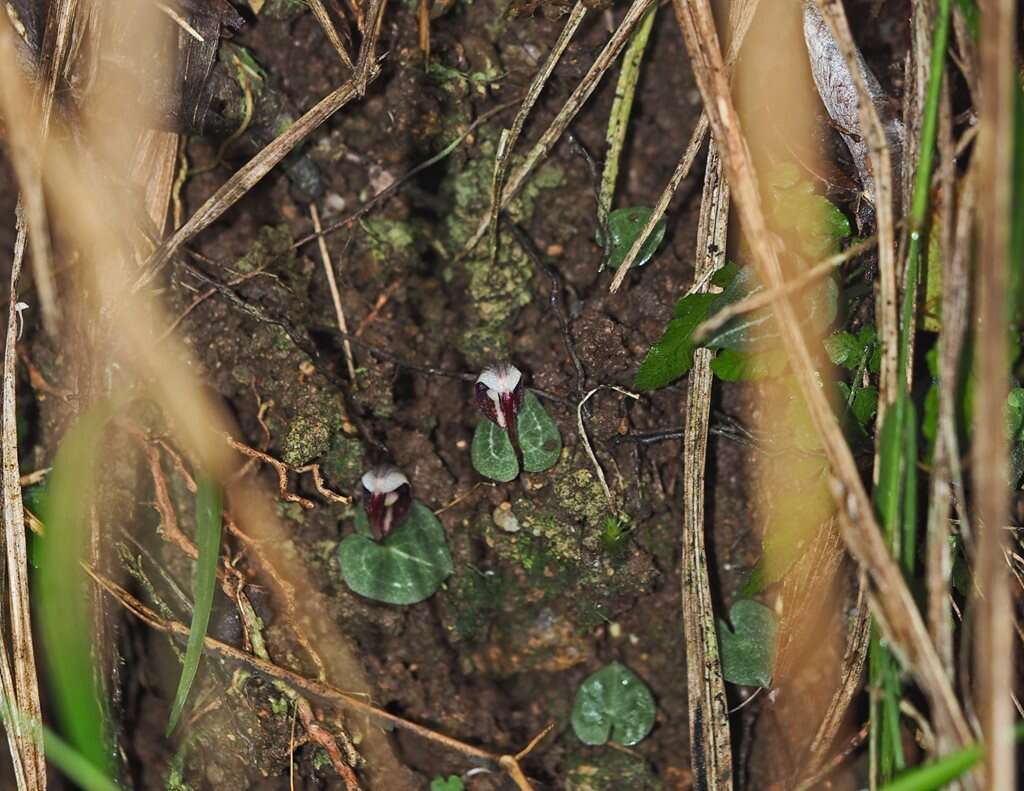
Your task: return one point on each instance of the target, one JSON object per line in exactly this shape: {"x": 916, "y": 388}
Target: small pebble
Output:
{"x": 505, "y": 519}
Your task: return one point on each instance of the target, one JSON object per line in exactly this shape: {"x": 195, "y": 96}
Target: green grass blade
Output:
{"x": 59, "y": 589}
{"x": 936, "y": 774}
{"x": 622, "y": 107}
{"x": 209, "y": 514}
{"x": 70, "y": 761}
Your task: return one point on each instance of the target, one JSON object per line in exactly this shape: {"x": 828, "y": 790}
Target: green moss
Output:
{"x": 273, "y": 243}
{"x": 387, "y": 238}
{"x": 473, "y": 599}
{"x": 610, "y": 770}
{"x": 498, "y": 288}
{"x": 345, "y": 461}
{"x": 308, "y": 437}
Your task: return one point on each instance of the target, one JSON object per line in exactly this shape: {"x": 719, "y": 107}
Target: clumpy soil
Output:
{"x": 499, "y": 652}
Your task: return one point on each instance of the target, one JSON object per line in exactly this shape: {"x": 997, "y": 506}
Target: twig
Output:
{"x": 246, "y": 177}
{"x": 586, "y": 440}
{"x": 763, "y": 299}
{"x": 743, "y": 15}
{"x": 320, "y": 12}
{"x": 20, "y": 688}
{"x": 707, "y": 704}
{"x": 509, "y": 140}
{"x": 565, "y": 115}
{"x": 994, "y": 643}
{"x": 339, "y": 311}
{"x": 618, "y": 118}
{"x": 282, "y": 475}
{"x": 903, "y": 623}
{"x": 318, "y": 689}
{"x": 392, "y": 188}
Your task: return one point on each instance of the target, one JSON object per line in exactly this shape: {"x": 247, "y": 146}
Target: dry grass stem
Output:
{"x": 332, "y": 284}
{"x": 994, "y": 643}
{"x": 565, "y": 115}
{"x": 863, "y": 536}
{"x": 710, "y": 747}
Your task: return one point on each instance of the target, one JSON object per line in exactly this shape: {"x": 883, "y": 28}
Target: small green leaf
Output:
{"x": 853, "y": 351}
{"x": 406, "y": 567}
{"x": 613, "y": 704}
{"x": 672, "y": 355}
{"x": 862, "y": 404}
{"x": 492, "y": 453}
{"x": 748, "y": 649}
{"x": 538, "y": 435}
{"x": 624, "y": 226}
{"x": 453, "y": 783}
{"x": 209, "y": 515}
{"x": 730, "y": 365}
{"x": 817, "y": 226}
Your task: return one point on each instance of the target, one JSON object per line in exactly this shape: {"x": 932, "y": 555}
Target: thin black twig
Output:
{"x": 392, "y": 188}
{"x": 248, "y": 308}
{"x": 556, "y": 299}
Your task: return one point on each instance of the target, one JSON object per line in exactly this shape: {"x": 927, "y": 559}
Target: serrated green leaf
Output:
{"x": 730, "y": 365}
{"x": 672, "y": 355}
{"x": 862, "y": 404}
{"x": 406, "y": 567}
{"x": 538, "y": 435}
{"x": 624, "y": 226}
{"x": 613, "y": 704}
{"x": 492, "y": 453}
{"x": 452, "y": 783}
{"x": 209, "y": 515}
{"x": 748, "y": 648}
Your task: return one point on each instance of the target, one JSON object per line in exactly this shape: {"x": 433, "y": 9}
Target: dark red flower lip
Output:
{"x": 387, "y": 497}
{"x": 499, "y": 395}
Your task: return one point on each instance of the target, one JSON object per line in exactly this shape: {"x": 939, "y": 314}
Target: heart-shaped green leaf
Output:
{"x": 492, "y": 453}
{"x": 624, "y": 226}
{"x": 539, "y": 439}
{"x": 748, "y": 649}
{"x": 452, "y": 783}
{"x": 406, "y": 567}
{"x": 613, "y": 704}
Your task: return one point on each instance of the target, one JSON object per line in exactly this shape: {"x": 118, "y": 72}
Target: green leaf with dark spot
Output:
{"x": 672, "y": 355}
{"x": 613, "y": 704}
{"x": 624, "y": 226}
{"x": 492, "y": 453}
{"x": 748, "y": 648}
{"x": 538, "y": 436}
{"x": 406, "y": 567}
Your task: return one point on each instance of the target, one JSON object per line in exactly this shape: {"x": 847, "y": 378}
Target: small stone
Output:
{"x": 615, "y": 630}
{"x": 505, "y": 519}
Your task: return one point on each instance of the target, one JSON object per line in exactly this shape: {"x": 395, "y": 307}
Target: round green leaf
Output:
{"x": 538, "y": 436}
{"x": 451, "y": 783}
{"x": 406, "y": 567}
{"x": 613, "y": 704}
{"x": 748, "y": 649}
{"x": 624, "y": 226}
{"x": 492, "y": 453}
